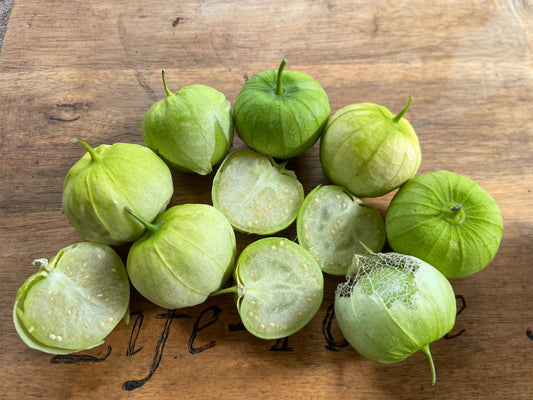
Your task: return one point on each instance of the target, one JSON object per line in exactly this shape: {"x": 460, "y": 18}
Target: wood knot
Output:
{"x": 69, "y": 111}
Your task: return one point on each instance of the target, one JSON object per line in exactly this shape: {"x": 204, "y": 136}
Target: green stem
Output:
{"x": 94, "y": 155}
{"x": 232, "y": 289}
{"x": 279, "y": 86}
{"x": 425, "y": 350}
{"x": 398, "y": 117}
{"x": 167, "y": 90}
{"x": 151, "y": 227}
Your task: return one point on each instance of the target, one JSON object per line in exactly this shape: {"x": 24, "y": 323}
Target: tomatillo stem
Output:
{"x": 455, "y": 214}
{"x": 167, "y": 90}
{"x": 232, "y": 289}
{"x": 151, "y": 227}
{"x": 401, "y": 113}
{"x": 425, "y": 350}
{"x": 94, "y": 155}
{"x": 279, "y": 86}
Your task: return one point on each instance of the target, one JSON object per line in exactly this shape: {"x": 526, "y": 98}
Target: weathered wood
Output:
{"x": 91, "y": 69}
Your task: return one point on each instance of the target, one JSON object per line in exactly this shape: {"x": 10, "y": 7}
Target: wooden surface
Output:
{"x": 92, "y": 68}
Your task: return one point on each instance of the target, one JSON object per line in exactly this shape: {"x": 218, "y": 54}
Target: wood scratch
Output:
{"x": 64, "y": 119}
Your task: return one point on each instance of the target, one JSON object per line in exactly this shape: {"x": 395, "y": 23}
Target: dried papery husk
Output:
{"x": 393, "y": 305}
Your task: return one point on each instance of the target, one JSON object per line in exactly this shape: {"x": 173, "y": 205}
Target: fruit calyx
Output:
{"x": 43, "y": 263}
{"x": 279, "y": 86}
{"x": 94, "y": 155}
{"x": 167, "y": 90}
{"x": 425, "y": 350}
{"x": 232, "y": 289}
{"x": 281, "y": 168}
{"x": 152, "y": 228}
{"x": 399, "y": 116}
{"x": 455, "y": 214}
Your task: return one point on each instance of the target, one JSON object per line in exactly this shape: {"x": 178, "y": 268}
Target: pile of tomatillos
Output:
{"x": 440, "y": 225}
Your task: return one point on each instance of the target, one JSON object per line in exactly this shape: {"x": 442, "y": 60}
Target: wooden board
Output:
{"x": 91, "y": 69}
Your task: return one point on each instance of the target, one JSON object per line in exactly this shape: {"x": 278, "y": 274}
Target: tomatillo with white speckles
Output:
{"x": 74, "y": 301}
{"x": 333, "y": 225}
{"x": 278, "y": 287}
{"x": 255, "y": 193}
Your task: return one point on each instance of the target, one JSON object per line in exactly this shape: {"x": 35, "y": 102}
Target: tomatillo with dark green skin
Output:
{"x": 192, "y": 130}
{"x": 447, "y": 220}
{"x": 281, "y": 113}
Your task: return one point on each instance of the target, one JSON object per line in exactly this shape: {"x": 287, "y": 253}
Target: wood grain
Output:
{"x": 91, "y": 69}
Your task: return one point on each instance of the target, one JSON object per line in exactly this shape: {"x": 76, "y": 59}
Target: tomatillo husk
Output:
{"x": 368, "y": 150}
{"x": 393, "y": 305}
{"x": 109, "y": 178}
{"x": 187, "y": 253}
{"x": 192, "y": 130}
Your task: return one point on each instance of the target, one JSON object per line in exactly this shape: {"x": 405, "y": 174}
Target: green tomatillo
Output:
{"x": 191, "y": 130}
{"x": 278, "y": 287}
{"x": 74, "y": 301}
{"x": 281, "y": 113}
{"x": 256, "y": 194}
{"x": 186, "y": 254}
{"x": 368, "y": 150}
{"x": 393, "y": 305}
{"x": 333, "y": 225}
{"x": 447, "y": 220}
{"x": 109, "y": 178}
